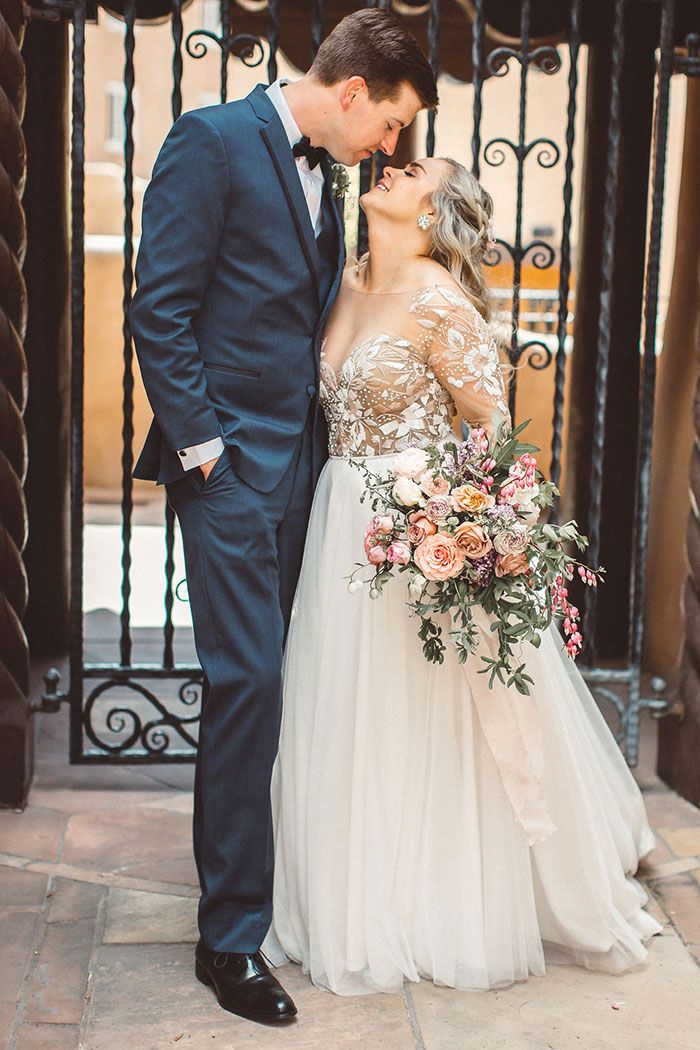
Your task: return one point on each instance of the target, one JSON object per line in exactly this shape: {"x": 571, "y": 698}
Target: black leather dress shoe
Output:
{"x": 244, "y": 985}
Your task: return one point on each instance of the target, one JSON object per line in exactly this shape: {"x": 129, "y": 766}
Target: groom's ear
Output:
{"x": 352, "y": 91}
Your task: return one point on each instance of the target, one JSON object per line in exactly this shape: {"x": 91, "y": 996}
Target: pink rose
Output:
{"x": 385, "y": 523}
{"x": 376, "y": 555}
{"x": 438, "y": 509}
{"x": 435, "y": 485}
{"x": 439, "y": 557}
{"x": 398, "y": 553}
{"x": 511, "y": 565}
{"x": 420, "y": 527}
{"x": 473, "y": 540}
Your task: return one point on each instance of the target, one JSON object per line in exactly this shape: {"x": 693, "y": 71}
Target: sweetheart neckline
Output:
{"x": 361, "y": 346}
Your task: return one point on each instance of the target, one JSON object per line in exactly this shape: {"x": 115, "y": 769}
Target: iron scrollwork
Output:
{"x": 130, "y": 730}
{"x": 245, "y": 46}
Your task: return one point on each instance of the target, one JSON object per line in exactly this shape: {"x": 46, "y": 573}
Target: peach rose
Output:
{"x": 439, "y": 557}
{"x": 420, "y": 527}
{"x": 434, "y": 485}
{"x": 511, "y": 565}
{"x": 471, "y": 499}
{"x": 473, "y": 540}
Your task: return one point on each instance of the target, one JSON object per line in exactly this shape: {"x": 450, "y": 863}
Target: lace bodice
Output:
{"x": 403, "y": 389}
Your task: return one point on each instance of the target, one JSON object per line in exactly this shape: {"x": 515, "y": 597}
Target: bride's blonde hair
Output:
{"x": 460, "y": 233}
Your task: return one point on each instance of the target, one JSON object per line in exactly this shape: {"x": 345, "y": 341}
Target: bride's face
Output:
{"x": 403, "y": 193}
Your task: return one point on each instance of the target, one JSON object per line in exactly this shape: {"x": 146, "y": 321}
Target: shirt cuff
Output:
{"x": 195, "y": 455}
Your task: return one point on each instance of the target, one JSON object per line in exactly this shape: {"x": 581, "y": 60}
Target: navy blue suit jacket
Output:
{"x": 229, "y": 305}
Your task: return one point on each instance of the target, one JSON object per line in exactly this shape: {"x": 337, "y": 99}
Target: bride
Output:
{"x": 427, "y": 826}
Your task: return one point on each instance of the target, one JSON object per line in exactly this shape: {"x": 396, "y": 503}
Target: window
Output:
{"x": 211, "y": 16}
{"x": 115, "y": 128}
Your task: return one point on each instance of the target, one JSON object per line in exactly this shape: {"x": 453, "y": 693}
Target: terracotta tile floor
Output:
{"x": 98, "y": 918}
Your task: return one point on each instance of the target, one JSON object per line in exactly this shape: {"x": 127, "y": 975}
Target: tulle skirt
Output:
{"x": 426, "y": 827}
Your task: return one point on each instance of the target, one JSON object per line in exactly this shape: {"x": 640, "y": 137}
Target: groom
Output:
{"x": 240, "y": 261}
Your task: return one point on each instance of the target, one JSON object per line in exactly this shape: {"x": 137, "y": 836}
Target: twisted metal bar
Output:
{"x": 128, "y": 353}
{"x": 434, "y": 56}
{"x": 169, "y": 567}
{"x": 565, "y": 254}
{"x": 651, "y": 299}
{"x": 478, "y": 81}
{"x": 14, "y": 649}
{"x": 318, "y": 26}
{"x": 604, "y": 318}
{"x": 77, "y": 377}
{"x": 273, "y": 39}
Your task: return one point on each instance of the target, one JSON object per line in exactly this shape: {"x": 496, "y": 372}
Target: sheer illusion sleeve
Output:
{"x": 463, "y": 355}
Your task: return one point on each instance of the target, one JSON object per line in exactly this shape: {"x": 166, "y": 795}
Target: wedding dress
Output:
{"x": 425, "y": 825}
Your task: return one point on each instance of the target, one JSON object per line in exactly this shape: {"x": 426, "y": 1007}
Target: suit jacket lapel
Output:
{"x": 339, "y": 224}
{"x": 275, "y": 138}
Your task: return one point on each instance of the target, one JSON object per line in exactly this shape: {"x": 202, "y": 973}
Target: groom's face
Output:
{"x": 359, "y": 126}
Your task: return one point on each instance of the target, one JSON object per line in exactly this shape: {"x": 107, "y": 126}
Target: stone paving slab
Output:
{"x": 18, "y": 929}
{"x": 37, "y": 832}
{"x": 61, "y": 974}
{"x": 141, "y": 843}
{"x": 150, "y": 918}
{"x": 571, "y": 1009}
{"x": 146, "y": 998}
{"x": 48, "y": 1037}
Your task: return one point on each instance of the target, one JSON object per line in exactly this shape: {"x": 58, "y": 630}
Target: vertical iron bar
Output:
{"x": 128, "y": 379}
{"x": 434, "y": 56}
{"x": 606, "y": 291}
{"x": 273, "y": 39}
{"x": 168, "y": 628}
{"x": 176, "y": 28}
{"x": 520, "y": 154}
{"x": 77, "y": 378}
{"x": 225, "y": 36}
{"x": 318, "y": 26}
{"x": 565, "y": 253}
{"x": 478, "y": 81}
{"x": 648, "y": 376}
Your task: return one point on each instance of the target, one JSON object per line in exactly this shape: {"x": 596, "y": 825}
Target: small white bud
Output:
{"x": 354, "y": 586}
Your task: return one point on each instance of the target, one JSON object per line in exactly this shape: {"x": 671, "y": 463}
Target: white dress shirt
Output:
{"x": 312, "y": 185}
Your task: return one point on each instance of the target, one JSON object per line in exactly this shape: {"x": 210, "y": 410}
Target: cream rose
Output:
{"x": 439, "y": 557}
{"x": 473, "y": 540}
{"x": 406, "y": 492}
{"x": 511, "y": 541}
{"x": 411, "y": 463}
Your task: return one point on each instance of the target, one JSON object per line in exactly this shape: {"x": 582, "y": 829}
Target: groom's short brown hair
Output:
{"x": 373, "y": 44}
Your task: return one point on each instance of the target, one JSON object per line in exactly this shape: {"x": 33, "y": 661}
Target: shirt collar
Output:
{"x": 278, "y": 100}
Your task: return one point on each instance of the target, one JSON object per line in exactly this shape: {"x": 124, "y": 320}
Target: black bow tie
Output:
{"x": 313, "y": 154}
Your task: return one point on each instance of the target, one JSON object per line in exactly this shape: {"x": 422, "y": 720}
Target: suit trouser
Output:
{"x": 243, "y": 552}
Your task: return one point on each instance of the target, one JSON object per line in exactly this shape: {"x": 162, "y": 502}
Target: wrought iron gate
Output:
{"x": 123, "y": 710}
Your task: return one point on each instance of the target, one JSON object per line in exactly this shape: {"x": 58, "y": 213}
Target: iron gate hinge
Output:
{"x": 51, "y": 698}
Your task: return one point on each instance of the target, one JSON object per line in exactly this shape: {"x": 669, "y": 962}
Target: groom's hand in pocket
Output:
{"x": 206, "y": 468}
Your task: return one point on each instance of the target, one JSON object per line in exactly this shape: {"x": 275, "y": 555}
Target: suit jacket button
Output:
{"x": 311, "y": 390}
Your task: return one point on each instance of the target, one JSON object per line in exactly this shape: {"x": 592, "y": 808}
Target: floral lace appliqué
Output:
{"x": 397, "y": 391}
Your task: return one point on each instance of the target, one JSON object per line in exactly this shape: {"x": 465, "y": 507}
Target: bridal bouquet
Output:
{"x": 462, "y": 522}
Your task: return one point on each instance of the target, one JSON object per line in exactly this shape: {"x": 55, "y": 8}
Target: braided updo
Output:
{"x": 460, "y": 234}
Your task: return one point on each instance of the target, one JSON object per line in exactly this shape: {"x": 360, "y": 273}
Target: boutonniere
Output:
{"x": 341, "y": 180}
